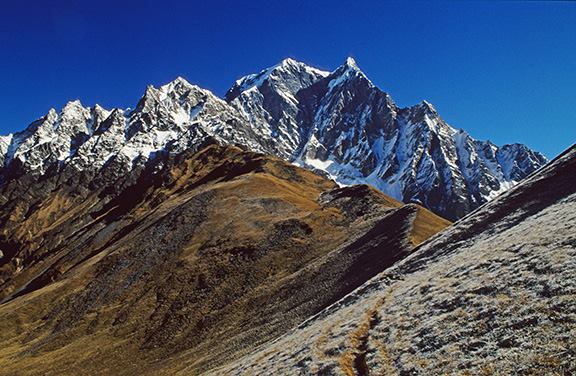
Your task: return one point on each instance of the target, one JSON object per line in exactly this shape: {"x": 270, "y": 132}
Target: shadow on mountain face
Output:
{"x": 492, "y": 294}
{"x": 198, "y": 256}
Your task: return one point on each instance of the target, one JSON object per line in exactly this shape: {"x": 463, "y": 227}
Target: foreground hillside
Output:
{"x": 183, "y": 264}
{"x": 495, "y": 294}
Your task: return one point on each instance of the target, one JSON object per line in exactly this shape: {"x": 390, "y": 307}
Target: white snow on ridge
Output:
{"x": 257, "y": 79}
{"x": 344, "y": 126}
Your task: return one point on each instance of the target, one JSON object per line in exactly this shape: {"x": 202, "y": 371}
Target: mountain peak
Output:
{"x": 181, "y": 79}
{"x": 178, "y": 82}
{"x": 427, "y": 104}
{"x": 52, "y": 113}
{"x": 351, "y": 63}
{"x": 286, "y": 70}
{"x": 339, "y": 123}
{"x": 98, "y": 107}
{"x": 428, "y": 107}
{"x": 72, "y": 105}
{"x": 288, "y": 61}
{"x": 292, "y": 63}
{"x": 350, "y": 67}
{"x": 346, "y": 72}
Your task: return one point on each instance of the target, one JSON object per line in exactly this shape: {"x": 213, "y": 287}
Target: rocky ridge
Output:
{"x": 492, "y": 294}
{"x": 182, "y": 261}
{"x": 338, "y": 123}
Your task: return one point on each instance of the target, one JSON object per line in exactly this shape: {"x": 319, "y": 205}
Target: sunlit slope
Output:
{"x": 196, "y": 262}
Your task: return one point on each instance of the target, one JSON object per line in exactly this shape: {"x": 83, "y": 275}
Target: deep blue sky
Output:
{"x": 504, "y": 71}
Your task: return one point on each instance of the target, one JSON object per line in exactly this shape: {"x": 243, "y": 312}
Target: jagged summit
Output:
{"x": 347, "y": 72}
{"x": 279, "y": 72}
{"x": 428, "y": 106}
{"x": 336, "y": 123}
{"x": 350, "y": 62}
{"x": 182, "y": 80}
{"x": 72, "y": 104}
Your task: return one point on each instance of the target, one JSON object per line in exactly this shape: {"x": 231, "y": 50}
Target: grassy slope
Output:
{"x": 190, "y": 272}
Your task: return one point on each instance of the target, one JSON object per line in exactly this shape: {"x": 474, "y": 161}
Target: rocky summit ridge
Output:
{"x": 337, "y": 123}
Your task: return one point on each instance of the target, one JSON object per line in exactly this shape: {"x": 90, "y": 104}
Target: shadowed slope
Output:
{"x": 189, "y": 262}
{"x": 493, "y": 294}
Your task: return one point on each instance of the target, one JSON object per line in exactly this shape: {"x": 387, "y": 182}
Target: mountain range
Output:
{"x": 336, "y": 123}
{"x": 296, "y": 226}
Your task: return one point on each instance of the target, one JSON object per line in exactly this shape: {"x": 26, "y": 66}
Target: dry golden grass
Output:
{"x": 236, "y": 218}
{"x": 426, "y": 225}
{"x": 385, "y": 199}
{"x": 354, "y": 356}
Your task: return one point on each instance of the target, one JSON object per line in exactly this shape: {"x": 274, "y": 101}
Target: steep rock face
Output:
{"x": 173, "y": 118}
{"x": 51, "y": 139}
{"x": 355, "y": 133}
{"x": 180, "y": 262}
{"x": 493, "y": 294}
{"x": 268, "y": 100}
{"x": 336, "y": 123}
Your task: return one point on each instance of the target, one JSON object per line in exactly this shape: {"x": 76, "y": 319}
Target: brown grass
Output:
{"x": 358, "y": 338}
{"x": 426, "y": 224}
{"x": 235, "y": 218}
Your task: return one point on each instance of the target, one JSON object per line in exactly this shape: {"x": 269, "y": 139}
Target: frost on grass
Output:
{"x": 493, "y": 294}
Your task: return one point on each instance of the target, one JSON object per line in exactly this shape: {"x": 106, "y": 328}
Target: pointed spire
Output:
{"x": 351, "y": 63}
{"x": 428, "y": 106}
{"x": 180, "y": 80}
{"x": 72, "y": 104}
{"x": 347, "y": 71}
{"x": 99, "y": 113}
{"x": 351, "y": 66}
{"x": 288, "y": 61}
{"x": 178, "y": 84}
{"x": 52, "y": 113}
{"x": 150, "y": 91}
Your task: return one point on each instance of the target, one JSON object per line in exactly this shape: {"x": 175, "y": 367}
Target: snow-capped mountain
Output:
{"x": 355, "y": 132}
{"x": 172, "y": 118}
{"x": 268, "y": 101}
{"x": 338, "y": 123}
